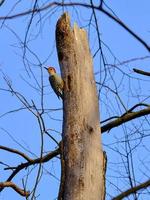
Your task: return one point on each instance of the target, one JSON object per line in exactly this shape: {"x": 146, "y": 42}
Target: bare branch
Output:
{"x": 141, "y": 72}
{"x": 14, "y": 187}
{"x": 16, "y": 152}
{"x": 126, "y": 28}
{"x": 1, "y": 2}
{"x": 99, "y": 8}
{"x": 132, "y": 190}
{"x": 22, "y": 166}
{"x": 128, "y": 116}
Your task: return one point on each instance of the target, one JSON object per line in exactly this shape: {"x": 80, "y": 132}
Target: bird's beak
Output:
{"x": 46, "y": 68}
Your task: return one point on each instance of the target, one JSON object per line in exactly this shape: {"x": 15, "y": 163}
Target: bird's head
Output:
{"x": 51, "y": 70}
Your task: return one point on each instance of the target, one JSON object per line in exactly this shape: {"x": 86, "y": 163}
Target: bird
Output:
{"x": 56, "y": 82}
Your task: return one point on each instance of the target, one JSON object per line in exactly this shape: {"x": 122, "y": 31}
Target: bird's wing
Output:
{"x": 57, "y": 87}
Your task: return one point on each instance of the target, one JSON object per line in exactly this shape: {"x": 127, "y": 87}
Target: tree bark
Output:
{"x": 83, "y": 170}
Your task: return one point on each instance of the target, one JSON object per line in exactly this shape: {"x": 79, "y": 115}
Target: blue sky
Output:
{"x": 20, "y": 130}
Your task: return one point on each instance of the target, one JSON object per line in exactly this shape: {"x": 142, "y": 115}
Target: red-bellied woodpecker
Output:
{"x": 56, "y": 81}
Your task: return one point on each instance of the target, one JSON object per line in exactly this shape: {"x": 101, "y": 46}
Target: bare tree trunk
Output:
{"x": 83, "y": 170}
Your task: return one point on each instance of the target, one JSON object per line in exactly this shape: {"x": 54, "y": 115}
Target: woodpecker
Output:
{"x": 56, "y": 81}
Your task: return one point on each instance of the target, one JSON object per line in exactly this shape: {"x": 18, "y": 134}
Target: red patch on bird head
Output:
{"x": 51, "y": 70}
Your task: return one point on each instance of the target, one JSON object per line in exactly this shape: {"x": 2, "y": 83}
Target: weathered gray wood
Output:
{"x": 82, "y": 152}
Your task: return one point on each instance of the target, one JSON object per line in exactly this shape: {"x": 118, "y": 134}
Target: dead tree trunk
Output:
{"x": 83, "y": 174}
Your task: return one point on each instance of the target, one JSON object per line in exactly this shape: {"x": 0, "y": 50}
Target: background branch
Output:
{"x": 98, "y": 8}
{"x": 125, "y": 118}
{"x": 16, "y": 152}
{"x": 132, "y": 190}
{"x": 22, "y": 166}
{"x": 14, "y": 187}
{"x": 141, "y": 72}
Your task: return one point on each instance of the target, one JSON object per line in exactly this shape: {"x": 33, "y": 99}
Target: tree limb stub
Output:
{"x": 141, "y": 72}
{"x": 82, "y": 152}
